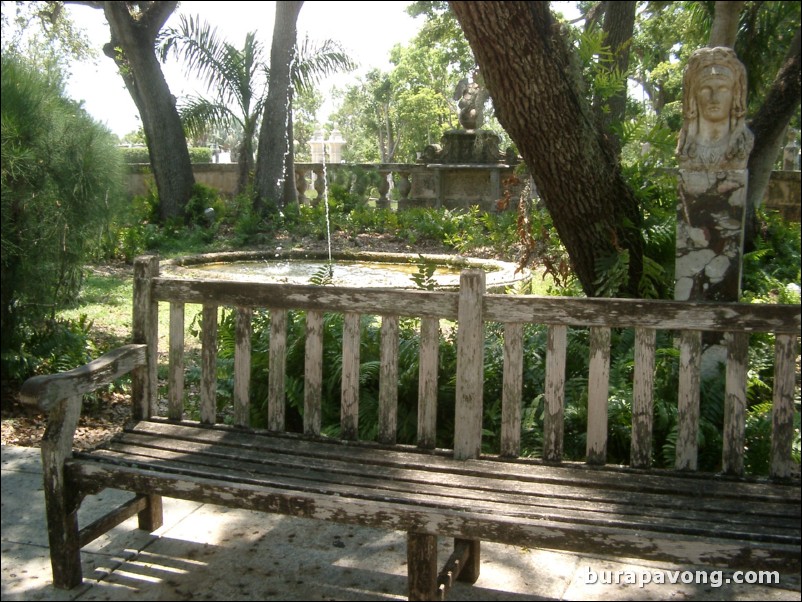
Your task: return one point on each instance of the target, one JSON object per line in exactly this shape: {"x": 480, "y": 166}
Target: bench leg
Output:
{"x": 422, "y": 566}
{"x": 61, "y": 499}
{"x": 65, "y": 548}
{"x": 152, "y": 517}
{"x": 470, "y": 570}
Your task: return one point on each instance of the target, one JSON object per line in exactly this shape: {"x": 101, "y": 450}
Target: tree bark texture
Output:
{"x": 142, "y": 74}
{"x": 725, "y": 23}
{"x": 273, "y": 146}
{"x": 535, "y": 88}
{"x": 768, "y": 126}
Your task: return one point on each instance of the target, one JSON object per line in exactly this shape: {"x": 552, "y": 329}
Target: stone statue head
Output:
{"x": 714, "y": 133}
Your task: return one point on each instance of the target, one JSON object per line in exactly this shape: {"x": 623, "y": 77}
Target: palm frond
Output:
{"x": 224, "y": 69}
{"x": 200, "y": 115}
{"x": 315, "y": 61}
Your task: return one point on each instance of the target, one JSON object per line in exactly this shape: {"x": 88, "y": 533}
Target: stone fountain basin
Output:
{"x": 352, "y": 269}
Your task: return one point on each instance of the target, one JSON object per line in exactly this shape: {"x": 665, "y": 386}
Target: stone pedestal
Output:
{"x": 710, "y": 225}
{"x": 455, "y": 186}
{"x": 474, "y": 147}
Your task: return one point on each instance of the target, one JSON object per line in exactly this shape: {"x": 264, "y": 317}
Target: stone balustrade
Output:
{"x": 430, "y": 185}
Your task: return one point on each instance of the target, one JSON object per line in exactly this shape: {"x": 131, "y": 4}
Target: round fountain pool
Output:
{"x": 390, "y": 270}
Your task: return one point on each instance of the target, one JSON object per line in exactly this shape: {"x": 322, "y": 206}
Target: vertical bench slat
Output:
{"x": 427, "y": 382}
{"x": 782, "y": 411}
{"x": 175, "y": 378}
{"x": 690, "y": 366}
{"x": 732, "y": 459}
{"x": 349, "y": 410}
{"x": 470, "y": 366}
{"x": 598, "y": 394}
{"x": 278, "y": 369}
{"x": 242, "y": 366}
{"x": 512, "y": 390}
{"x": 208, "y": 389}
{"x": 642, "y": 398}
{"x": 553, "y": 426}
{"x": 388, "y": 380}
{"x": 146, "y": 330}
{"x": 313, "y": 372}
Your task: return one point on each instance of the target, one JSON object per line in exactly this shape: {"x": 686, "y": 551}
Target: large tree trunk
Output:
{"x": 135, "y": 35}
{"x": 768, "y": 126}
{"x": 271, "y": 160}
{"x": 528, "y": 71}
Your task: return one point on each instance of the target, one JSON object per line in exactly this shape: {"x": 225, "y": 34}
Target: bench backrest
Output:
{"x": 471, "y": 308}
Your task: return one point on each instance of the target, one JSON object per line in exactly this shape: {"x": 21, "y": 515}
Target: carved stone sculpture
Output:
{"x": 470, "y": 97}
{"x": 714, "y": 135}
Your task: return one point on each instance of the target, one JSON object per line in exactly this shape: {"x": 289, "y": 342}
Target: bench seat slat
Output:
{"x": 446, "y": 521}
{"x": 565, "y": 501}
{"x": 690, "y": 484}
{"x": 378, "y": 466}
{"x": 298, "y": 480}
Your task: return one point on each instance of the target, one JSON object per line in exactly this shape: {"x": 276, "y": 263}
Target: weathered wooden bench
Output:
{"x": 723, "y": 520}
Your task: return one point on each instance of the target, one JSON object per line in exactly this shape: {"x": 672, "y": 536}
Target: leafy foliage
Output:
{"x": 576, "y": 389}
{"x": 139, "y": 154}
{"x": 61, "y": 189}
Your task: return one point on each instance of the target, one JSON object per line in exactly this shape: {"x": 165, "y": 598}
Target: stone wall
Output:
{"x": 783, "y": 194}
{"x": 454, "y": 186}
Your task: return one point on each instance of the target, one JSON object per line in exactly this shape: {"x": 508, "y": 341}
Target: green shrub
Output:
{"x": 61, "y": 189}
{"x": 51, "y": 346}
{"x": 200, "y": 154}
{"x": 203, "y": 198}
{"x": 135, "y": 154}
{"x": 139, "y": 154}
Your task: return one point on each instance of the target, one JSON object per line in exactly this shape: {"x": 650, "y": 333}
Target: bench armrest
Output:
{"x": 47, "y": 390}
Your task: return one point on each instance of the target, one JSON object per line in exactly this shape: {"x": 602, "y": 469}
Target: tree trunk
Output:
{"x": 619, "y": 24}
{"x": 768, "y": 126}
{"x": 529, "y": 73}
{"x": 273, "y": 146}
{"x": 725, "y": 24}
{"x": 245, "y": 160}
{"x": 142, "y": 74}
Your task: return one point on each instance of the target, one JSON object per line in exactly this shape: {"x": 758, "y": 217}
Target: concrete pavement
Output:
{"x": 206, "y": 552}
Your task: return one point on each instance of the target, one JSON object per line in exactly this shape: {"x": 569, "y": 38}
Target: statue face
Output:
{"x": 714, "y": 94}
{"x": 715, "y": 99}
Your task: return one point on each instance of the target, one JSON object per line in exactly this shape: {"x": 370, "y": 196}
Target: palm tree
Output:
{"x": 235, "y": 76}
{"x": 238, "y": 79}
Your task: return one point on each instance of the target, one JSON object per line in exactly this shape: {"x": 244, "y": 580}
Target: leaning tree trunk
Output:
{"x": 141, "y": 71}
{"x": 273, "y": 143}
{"x": 528, "y": 71}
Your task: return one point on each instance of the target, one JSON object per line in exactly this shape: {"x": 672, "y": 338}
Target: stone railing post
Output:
{"x": 383, "y": 201}
{"x": 301, "y": 185}
{"x": 404, "y": 187}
